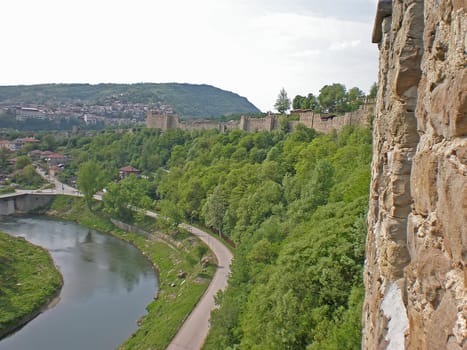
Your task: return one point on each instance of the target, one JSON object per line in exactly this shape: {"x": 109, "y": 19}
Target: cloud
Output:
{"x": 344, "y": 45}
{"x": 252, "y": 47}
{"x": 306, "y": 53}
{"x": 291, "y": 30}
{"x": 356, "y": 10}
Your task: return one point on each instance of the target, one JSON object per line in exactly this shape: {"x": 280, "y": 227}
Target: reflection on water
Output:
{"x": 107, "y": 284}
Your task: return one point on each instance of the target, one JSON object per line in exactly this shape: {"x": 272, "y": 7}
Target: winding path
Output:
{"x": 196, "y": 327}
{"x": 192, "y": 334}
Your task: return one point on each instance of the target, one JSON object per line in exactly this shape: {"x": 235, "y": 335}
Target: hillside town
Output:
{"x": 110, "y": 113}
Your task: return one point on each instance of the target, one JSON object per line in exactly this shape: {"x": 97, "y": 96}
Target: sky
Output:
{"x": 250, "y": 47}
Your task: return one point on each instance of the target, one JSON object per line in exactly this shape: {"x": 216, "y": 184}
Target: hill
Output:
{"x": 188, "y": 100}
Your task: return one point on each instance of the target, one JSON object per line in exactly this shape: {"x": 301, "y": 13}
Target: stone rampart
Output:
{"x": 320, "y": 122}
{"x": 201, "y": 125}
{"x": 326, "y": 122}
{"x": 268, "y": 123}
{"x": 162, "y": 121}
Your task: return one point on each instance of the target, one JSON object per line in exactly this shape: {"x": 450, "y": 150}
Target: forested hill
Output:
{"x": 294, "y": 203}
{"x": 187, "y": 100}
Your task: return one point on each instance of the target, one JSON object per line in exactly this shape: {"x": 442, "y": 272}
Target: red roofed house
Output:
{"x": 127, "y": 171}
{"x": 7, "y": 144}
{"x": 28, "y": 140}
{"x": 55, "y": 159}
{"x": 19, "y": 143}
{"x": 35, "y": 154}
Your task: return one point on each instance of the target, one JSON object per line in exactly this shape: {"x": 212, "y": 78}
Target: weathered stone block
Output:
{"x": 418, "y": 207}
{"x": 424, "y": 182}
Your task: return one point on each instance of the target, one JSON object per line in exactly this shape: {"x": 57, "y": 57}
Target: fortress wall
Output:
{"x": 201, "y": 125}
{"x": 172, "y": 122}
{"x": 268, "y": 123}
{"x": 361, "y": 117}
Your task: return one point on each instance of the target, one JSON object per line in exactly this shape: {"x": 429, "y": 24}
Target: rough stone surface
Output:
{"x": 417, "y": 219}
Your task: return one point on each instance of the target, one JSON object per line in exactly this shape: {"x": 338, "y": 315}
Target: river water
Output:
{"x": 107, "y": 285}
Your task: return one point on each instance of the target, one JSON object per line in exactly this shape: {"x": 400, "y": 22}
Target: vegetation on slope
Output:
{"x": 28, "y": 281}
{"x": 188, "y": 100}
{"x": 293, "y": 203}
{"x": 182, "y": 277}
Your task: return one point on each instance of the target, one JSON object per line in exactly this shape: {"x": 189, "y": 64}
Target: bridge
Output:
{"x": 22, "y": 202}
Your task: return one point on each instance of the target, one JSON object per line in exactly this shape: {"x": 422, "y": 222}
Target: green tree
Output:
{"x": 332, "y": 98}
{"x": 28, "y": 147}
{"x": 283, "y": 102}
{"x": 28, "y": 178}
{"x": 311, "y": 102}
{"x": 4, "y": 156}
{"x": 91, "y": 178}
{"x": 170, "y": 216}
{"x": 48, "y": 142}
{"x": 308, "y": 102}
{"x": 355, "y": 98}
{"x": 298, "y": 102}
{"x": 214, "y": 209}
{"x": 21, "y": 162}
{"x": 128, "y": 198}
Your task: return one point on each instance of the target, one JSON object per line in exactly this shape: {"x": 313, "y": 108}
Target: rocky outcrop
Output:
{"x": 415, "y": 276}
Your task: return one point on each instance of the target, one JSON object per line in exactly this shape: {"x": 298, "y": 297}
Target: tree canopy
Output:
{"x": 334, "y": 98}
{"x": 294, "y": 204}
{"x": 91, "y": 178}
{"x": 282, "y": 104}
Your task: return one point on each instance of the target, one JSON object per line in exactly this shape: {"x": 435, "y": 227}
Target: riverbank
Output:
{"x": 29, "y": 282}
{"x": 182, "y": 278}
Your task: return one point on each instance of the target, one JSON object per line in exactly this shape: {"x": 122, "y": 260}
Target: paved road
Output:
{"x": 60, "y": 188}
{"x": 192, "y": 334}
{"x": 195, "y": 329}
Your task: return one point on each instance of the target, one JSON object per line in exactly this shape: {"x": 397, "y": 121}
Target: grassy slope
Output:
{"x": 174, "y": 303}
{"x": 28, "y": 281}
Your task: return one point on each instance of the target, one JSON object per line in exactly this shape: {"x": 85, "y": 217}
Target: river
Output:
{"x": 107, "y": 285}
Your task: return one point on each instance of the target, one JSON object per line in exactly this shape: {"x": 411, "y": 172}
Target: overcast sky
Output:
{"x": 250, "y": 47}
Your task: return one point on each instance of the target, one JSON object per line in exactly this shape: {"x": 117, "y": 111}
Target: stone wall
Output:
{"x": 162, "y": 121}
{"x": 7, "y": 206}
{"x": 415, "y": 277}
{"x": 201, "y": 125}
{"x": 322, "y": 123}
{"x": 269, "y": 123}
{"x": 23, "y": 203}
{"x": 325, "y": 123}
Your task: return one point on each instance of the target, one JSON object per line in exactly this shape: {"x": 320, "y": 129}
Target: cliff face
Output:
{"x": 415, "y": 276}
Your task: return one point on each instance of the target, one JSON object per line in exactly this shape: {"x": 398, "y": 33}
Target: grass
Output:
{"x": 28, "y": 281}
{"x": 7, "y": 189}
{"x": 177, "y": 295}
